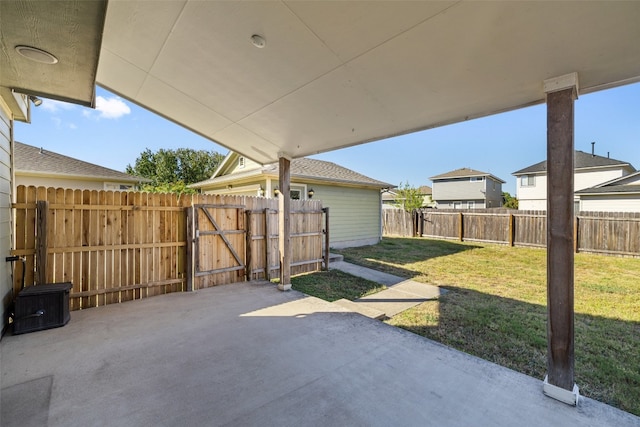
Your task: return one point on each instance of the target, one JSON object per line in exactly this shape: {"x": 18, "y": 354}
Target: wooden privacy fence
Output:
{"x": 597, "y": 232}
{"x": 121, "y": 246}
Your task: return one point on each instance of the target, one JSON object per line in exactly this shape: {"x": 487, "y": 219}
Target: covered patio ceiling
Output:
{"x": 336, "y": 74}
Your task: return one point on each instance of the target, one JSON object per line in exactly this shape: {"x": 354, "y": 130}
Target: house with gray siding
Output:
{"x": 466, "y": 188}
{"x": 354, "y": 200}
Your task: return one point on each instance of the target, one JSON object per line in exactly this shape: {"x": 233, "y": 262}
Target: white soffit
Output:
{"x": 335, "y": 74}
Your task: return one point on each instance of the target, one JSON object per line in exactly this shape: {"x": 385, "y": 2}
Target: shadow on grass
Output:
{"x": 402, "y": 251}
{"x": 512, "y": 333}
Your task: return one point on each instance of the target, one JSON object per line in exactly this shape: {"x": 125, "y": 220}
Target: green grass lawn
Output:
{"x": 496, "y": 308}
{"x": 333, "y": 285}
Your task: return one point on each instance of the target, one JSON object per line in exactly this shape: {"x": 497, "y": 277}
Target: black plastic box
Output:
{"x": 42, "y": 307}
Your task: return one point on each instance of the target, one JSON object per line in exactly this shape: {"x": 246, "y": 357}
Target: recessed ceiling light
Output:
{"x": 35, "y": 54}
{"x": 258, "y": 41}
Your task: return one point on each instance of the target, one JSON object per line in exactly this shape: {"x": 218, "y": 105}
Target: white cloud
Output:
{"x": 54, "y": 106}
{"x": 111, "y": 108}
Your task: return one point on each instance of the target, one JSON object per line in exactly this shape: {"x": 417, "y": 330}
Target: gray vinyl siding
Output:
{"x": 354, "y": 214}
{"x": 485, "y": 195}
{"x": 457, "y": 189}
{"x": 5, "y": 212}
{"x": 493, "y": 195}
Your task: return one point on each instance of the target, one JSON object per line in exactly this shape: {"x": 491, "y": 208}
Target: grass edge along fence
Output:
{"x": 610, "y": 233}
{"x": 120, "y": 246}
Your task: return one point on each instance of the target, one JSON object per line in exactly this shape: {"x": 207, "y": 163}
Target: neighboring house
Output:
{"x": 618, "y": 195}
{"x": 390, "y": 197}
{"x": 467, "y": 188}
{"x": 590, "y": 170}
{"x": 354, "y": 200}
{"x": 40, "y": 167}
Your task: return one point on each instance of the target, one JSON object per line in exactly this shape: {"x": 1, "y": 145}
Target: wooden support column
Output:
{"x": 561, "y": 94}
{"x": 284, "y": 217}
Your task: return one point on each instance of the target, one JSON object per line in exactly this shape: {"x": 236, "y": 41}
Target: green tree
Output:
{"x": 409, "y": 198}
{"x": 173, "y": 170}
{"x": 508, "y": 201}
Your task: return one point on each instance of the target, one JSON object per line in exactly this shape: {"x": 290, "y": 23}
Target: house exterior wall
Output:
{"x": 75, "y": 184}
{"x": 493, "y": 193}
{"x": 461, "y": 204}
{"x": 6, "y": 137}
{"x": 610, "y": 203}
{"x": 485, "y": 194}
{"x": 457, "y": 189}
{"x": 588, "y": 179}
{"x": 535, "y": 197}
{"x": 354, "y": 215}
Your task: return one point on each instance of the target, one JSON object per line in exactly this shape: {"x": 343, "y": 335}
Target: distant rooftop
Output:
{"x": 464, "y": 173}
{"x": 30, "y": 159}
{"x": 310, "y": 169}
{"x": 582, "y": 161}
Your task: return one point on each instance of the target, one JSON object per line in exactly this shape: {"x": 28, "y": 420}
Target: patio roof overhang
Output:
{"x": 336, "y": 74}
{"x": 49, "y": 49}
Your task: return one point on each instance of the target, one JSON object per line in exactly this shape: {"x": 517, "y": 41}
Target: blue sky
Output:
{"x": 114, "y": 134}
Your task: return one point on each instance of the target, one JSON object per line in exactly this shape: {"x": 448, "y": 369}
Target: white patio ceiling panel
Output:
{"x": 335, "y": 74}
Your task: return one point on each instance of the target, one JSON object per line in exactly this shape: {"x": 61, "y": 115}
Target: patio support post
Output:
{"x": 284, "y": 214}
{"x": 561, "y": 94}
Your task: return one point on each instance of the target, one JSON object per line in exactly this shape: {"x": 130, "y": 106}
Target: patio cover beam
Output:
{"x": 561, "y": 93}
{"x": 284, "y": 221}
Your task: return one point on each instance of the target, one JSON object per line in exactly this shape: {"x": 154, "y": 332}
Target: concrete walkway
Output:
{"x": 401, "y": 294}
{"x": 249, "y": 355}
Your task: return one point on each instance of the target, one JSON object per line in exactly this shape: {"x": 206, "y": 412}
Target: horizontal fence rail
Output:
{"x": 121, "y": 246}
{"x": 613, "y": 233}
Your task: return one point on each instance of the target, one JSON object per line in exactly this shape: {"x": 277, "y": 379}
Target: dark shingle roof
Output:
{"x": 582, "y": 161}
{"x": 312, "y": 168}
{"x": 464, "y": 173}
{"x": 28, "y": 158}
{"x": 306, "y": 168}
{"x": 611, "y": 189}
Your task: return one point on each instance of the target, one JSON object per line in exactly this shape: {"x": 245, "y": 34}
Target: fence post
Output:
{"x": 42, "y": 211}
{"x": 189, "y": 248}
{"x": 576, "y": 227}
{"x": 267, "y": 245}
{"x": 326, "y": 238}
{"x": 421, "y": 228}
{"x": 512, "y": 229}
{"x": 461, "y": 226}
{"x": 249, "y": 240}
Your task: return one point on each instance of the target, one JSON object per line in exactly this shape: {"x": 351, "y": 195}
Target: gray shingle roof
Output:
{"x": 464, "y": 173}
{"x": 28, "y": 158}
{"x": 310, "y": 169}
{"x": 582, "y": 161}
{"x": 611, "y": 189}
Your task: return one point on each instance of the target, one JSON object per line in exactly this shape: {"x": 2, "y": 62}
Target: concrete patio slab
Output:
{"x": 361, "y": 308}
{"x": 248, "y": 355}
{"x": 366, "y": 273}
{"x": 391, "y": 301}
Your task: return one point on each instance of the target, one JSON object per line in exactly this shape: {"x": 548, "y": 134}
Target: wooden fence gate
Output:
{"x": 219, "y": 242}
